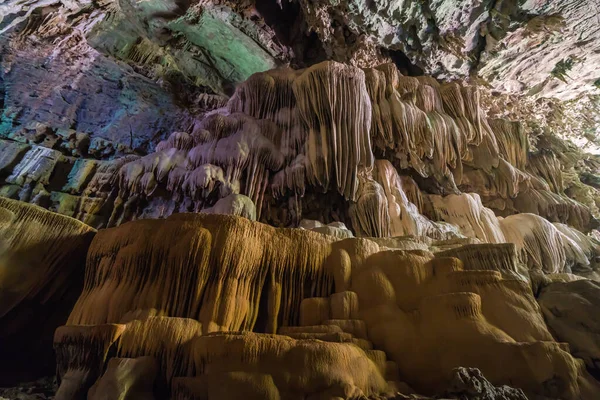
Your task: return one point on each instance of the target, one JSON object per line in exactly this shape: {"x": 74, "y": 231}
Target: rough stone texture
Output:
{"x": 440, "y": 37}
{"x": 283, "y": 141}
{"x": 555, "y": 53}
{"x": 535, "y": 48}
{"x": 570, "y": 309}
{"x": 74, "y": 88}
{"x": 546, "y": 46}
{"x": 206, "y": 43}
{"x": 469, "y": 383}
{"x": 118, "y": 110}
{"x": 387, "y": 314}
{"x": 42, "y": 389}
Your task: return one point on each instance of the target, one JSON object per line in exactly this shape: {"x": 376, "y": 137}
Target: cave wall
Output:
{"x": 432, "y": 131}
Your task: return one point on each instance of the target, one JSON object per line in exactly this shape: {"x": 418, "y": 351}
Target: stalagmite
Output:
{"x": 478, "y": 313}
{"x": 227, "y": 385}
{"x": 369, "y": 314}
{"x": 234, "y": 204}
{"x": 336, "y": 229}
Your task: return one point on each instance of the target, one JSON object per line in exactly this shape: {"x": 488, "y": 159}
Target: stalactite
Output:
{"x": 177, "y": 140}
{"x": 512, "y": 141}
{"x": 381, "y": 119}
{"x": 547, "y": 167}
{"x": 433, "y": 280}
{"x": 433, "y": 126}
{"x": 554, "y": 207}
{"x": 334, "y": 104}
{"x": 403, "y": 216}
{"x": 270, "y": 95}
{"x": 543, "y": 247}
{"x": 214, "y": 279}
{"x": 369, "y": 214}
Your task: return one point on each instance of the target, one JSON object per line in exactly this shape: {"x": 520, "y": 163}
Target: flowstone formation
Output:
{"x": 184, "y": 216}
{"x": 41, "y": 255}
{"x": 238, "y": 308}
{"x": 382, "y": 153}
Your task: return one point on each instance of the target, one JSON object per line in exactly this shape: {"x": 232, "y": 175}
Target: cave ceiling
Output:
{"x": 545, "y": 49}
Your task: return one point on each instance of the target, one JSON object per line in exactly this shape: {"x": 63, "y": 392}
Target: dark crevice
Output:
{"x": 262, "y": 320}
{"x": 60, "y": 176}
{"x": 482, "y": 40}
{"x": 281, "y": 17}
{"x": 432, "y": 24}
{"x": 478, "y": 53}
{"x": 287, "y": 21}
{"x": 403, "y": 63}
{"x": 503, "y": 15}
{"x": 309, "y": 51}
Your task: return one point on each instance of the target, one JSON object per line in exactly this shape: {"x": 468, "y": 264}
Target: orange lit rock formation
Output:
{"x": 353, "y": 317}
{"x": 459, "y": 222}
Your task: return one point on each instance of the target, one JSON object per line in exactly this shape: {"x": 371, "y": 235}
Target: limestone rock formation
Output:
{"x": 42, "y": 259}
{"x": 402, "y": 316}
{"x": 568, "y": 308}
{"x": 470, "y": 383}
{"x": 428, "y": 267}
{"x": 300, "y": 199}
{"x": 283, "y": 138}
{"x": 81, "y": 353}
{"x": 229, "y": 260}
{"x": 126, "y": 378}
{"x": 237, "y": 362}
